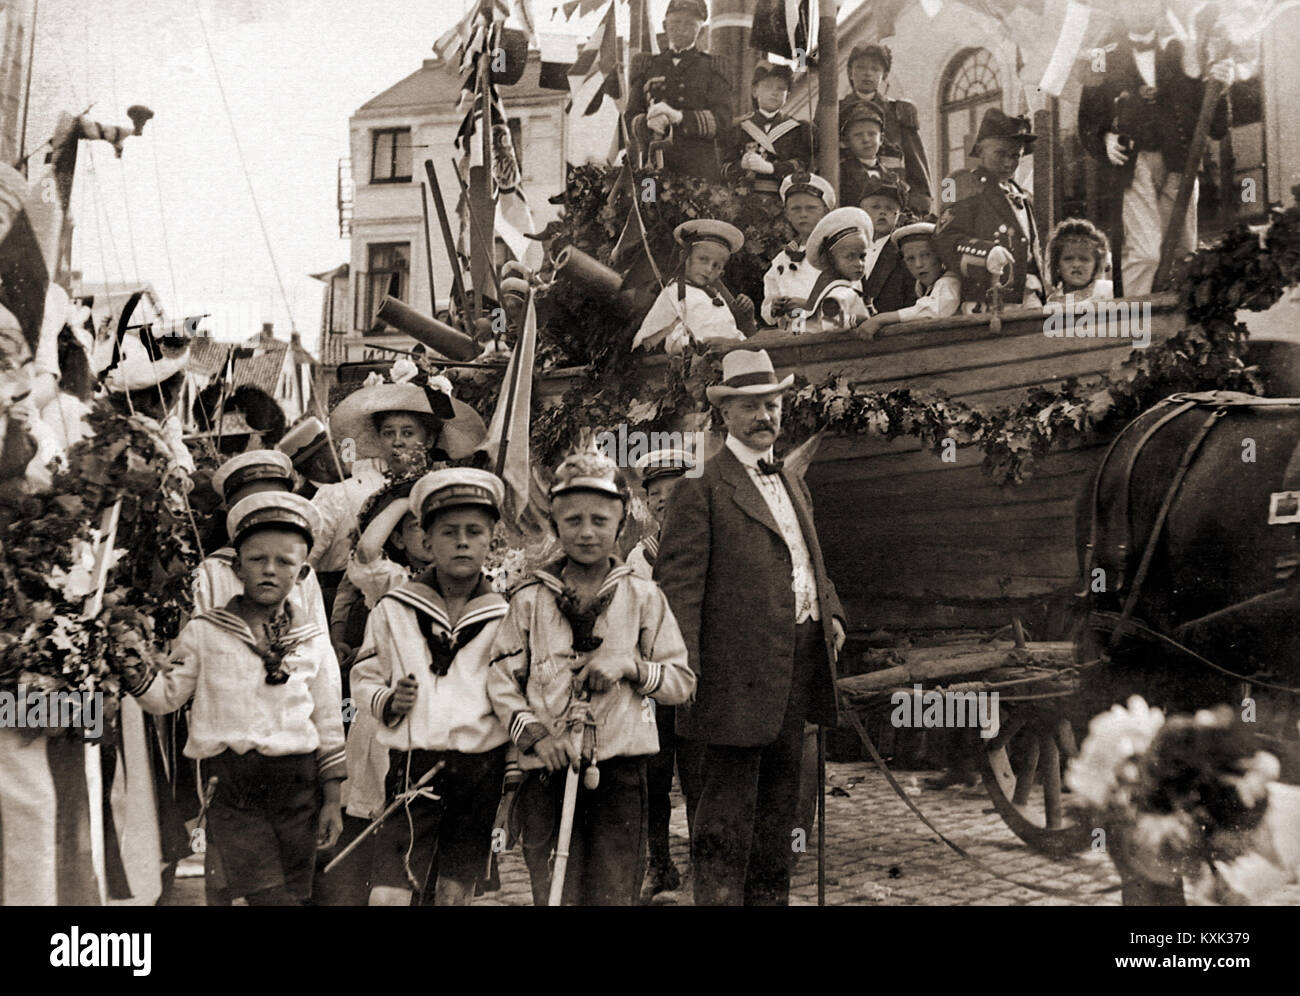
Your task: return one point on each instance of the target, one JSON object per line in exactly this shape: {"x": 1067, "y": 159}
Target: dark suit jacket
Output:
{"x": 697, "y": 88}
{"x": 726, "y": 571}
{"x": 902, "y": 140}
{"x": 855, "y": 175}
{"x": 974, "y": 225}
{"x": 889, "y": 285}
{"x": 1112, "y": 100}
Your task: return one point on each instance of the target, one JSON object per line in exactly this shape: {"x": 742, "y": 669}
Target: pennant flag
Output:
{"x": 559, "y": 53}
{"x": 597, "y": 67}
{"x": 451, "y": 46}
{"x": 1068, "y": 44}
{"x": 507, "y": 438}
{"x": 23, "y": 272}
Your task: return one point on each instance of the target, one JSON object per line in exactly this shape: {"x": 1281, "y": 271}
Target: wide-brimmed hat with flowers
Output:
{"x": 459, "y": 429}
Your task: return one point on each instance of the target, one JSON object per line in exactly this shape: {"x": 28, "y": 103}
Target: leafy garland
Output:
{"x": 48, "y": 556}
{"x": 1248, "y": 268}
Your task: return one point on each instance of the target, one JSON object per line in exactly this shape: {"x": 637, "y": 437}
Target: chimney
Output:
{"x": 295, "y": 340}
{"x": 268, "y": 331}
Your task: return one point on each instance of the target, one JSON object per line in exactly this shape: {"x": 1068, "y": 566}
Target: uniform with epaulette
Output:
{"x": 410, "y": 633}
{"x": 769, "y": 146}
{"x": 680, "y": 106}
{"x": 998, "y": 213}
{"x": 902, "y": 151}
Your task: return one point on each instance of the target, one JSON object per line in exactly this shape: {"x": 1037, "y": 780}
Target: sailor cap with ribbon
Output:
{"x": 590, "y": 470}
{"x": 834, "y": 227}
{"x": 916, "y": 230}
{"x": 453, "y": 487}
{"x": 663, "y": 463}
{"x": 709, "y": 230}
{"x": 746, "y": 373}
{"x": 273, "y": 508}
{"x": 802, "y": 182}
{"x": 255, "y": 465}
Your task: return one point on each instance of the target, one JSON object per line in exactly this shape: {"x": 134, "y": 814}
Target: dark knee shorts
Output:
{"x": 447, "y": 838}
{"x": 262, "y": 821}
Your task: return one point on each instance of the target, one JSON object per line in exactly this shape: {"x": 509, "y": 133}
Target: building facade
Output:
{"x": 391, "y": 136}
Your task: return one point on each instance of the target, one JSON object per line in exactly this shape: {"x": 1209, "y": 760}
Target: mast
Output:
{"x": 828, "y": 104}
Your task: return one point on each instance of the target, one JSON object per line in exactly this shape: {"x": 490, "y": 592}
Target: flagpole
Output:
{"x": 828, "y": 105}
{"x": 482, "y": 256}
{"x": 516, "y": 363}
{"x": 27, "y": 92}
{"x": 457, "y": 280}
{"x": 428, "y": 247}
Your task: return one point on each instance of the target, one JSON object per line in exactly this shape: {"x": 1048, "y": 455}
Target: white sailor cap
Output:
{"x": 255, "y": 465}
{"x": 456, "y": 486}
{"x": 709, "y": 230}
{"x": 916, "y": 230}
{"x": 835, "y": 226}
{"x": 273, "y": 508}
{"x": 663, "y": 463}
{"x": 800, "y": 182}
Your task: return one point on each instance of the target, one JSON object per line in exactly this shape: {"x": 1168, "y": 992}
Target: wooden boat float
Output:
{"x": 914, "y": 542}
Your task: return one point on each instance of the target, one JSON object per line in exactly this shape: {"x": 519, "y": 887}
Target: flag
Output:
{"x": 785, "y": 27}
{"x": 507, "y": 438}
{"x": 559, "y": 53}
{"x": 1069, "y": 41}
{"x": 597, "y": 66}
{"x": 31, "y": 229}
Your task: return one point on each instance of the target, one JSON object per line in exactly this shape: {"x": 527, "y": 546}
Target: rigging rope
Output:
{"x": 243, "y": 165}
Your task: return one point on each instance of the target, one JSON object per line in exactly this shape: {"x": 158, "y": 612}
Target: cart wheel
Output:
{"x": 1022, "y": 768}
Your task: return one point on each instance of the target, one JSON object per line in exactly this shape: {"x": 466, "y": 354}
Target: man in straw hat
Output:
{"x": 742, "y": 568}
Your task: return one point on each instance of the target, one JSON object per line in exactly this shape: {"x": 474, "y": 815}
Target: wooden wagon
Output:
{"x": 917, "y": 543}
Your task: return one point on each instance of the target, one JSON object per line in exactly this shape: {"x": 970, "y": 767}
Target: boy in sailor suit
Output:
{"x": 790, "y": 279}
{"x": 422, "y": 673}
{"x": 693, "y": 308}
{"x": 586, "y": 639}
{"x": 267, "y": 714}
{"x": 215, "y": 582}
{"x": 838, "y": 249}
{"x": 769, "y": 145}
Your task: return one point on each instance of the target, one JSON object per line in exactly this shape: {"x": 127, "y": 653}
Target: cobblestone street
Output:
{"x": 879, "y": 854}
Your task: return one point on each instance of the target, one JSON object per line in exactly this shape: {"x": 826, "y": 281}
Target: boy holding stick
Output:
{"x": 587, "y": 648}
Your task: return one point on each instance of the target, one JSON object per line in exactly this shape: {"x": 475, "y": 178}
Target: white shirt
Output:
{"x": 786, "y": 278}
{"x": 704, "y": 320}
{"x": 1145, "y": 58}
{"x": 340, "y": 506}
{"x": 773, "y": 490}
{"x": 939, "y": 301}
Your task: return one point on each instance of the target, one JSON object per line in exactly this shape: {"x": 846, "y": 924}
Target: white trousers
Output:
{"x": 1148, "y": 205}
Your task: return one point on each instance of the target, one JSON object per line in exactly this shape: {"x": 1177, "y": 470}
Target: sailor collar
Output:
{"x": 424, "y": 596}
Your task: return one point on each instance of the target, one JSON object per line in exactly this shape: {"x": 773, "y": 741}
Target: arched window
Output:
{"x": 970, "y": 87}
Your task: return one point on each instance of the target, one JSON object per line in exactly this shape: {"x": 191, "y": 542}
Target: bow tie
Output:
{"x": 677, "y": 54}
{"x": 795, "y": 254}
{"x": 770, "y": 466}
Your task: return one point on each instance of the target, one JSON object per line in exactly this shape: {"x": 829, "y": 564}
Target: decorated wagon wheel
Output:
{"x": 1022, "y": 769}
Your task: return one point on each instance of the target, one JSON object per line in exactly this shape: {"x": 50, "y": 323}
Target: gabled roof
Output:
{"x": 262, "y": 371}
{"x": 207, "y": 356}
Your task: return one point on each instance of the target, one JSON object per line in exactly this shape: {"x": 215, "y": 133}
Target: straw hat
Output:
{"x": 747, "y": 372}
{"x": 460, "y": 429}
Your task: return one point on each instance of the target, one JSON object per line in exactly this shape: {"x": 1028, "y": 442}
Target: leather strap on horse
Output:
{"x": 1125, "y": 486}
{"x": 1157, "y": 528}
{"x": 879, "y": 761}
